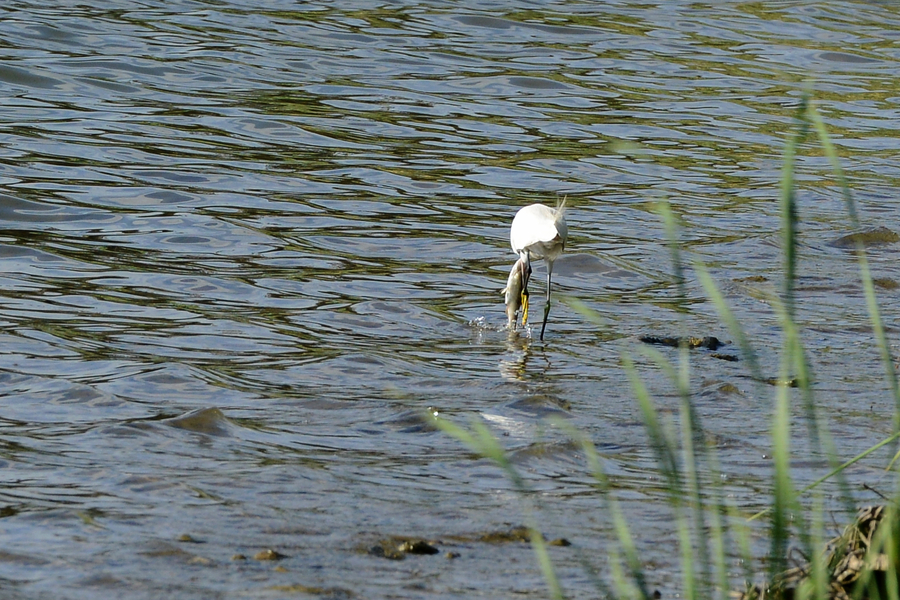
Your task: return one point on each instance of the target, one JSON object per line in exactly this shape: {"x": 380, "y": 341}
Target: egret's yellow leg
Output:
{"x": 524, "y": 307}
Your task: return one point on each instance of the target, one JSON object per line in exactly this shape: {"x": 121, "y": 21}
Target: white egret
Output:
{"x": 537, "y": 232}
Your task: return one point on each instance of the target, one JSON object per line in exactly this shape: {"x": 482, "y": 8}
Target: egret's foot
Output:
{"x": 524, "y": 308}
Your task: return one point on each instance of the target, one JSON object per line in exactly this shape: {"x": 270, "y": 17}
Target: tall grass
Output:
{"x": 709, "y": 529}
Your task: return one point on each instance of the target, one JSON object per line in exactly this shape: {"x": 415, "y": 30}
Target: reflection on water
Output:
{"x": 514, "y": 364}
{"x": 243, "y": 248}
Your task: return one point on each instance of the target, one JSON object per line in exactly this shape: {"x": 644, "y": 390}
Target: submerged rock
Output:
{"x": 708, "y": 342}
{"x": 417, "y": 547}
{"x": 886, "y": 283}
{"x": 209, "y": 421}
{"x": 396, "y": 548}
{"x": 312, "y": 590}
{"x": 269, "y": 554}
{"x": 777, "y": 382}
{"x": 516, "y": 534}
{"x": 878, "y": 236}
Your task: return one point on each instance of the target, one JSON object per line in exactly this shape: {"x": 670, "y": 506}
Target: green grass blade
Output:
{"x": 783, "y": 487}
{"x": 693, "y": 443}
{"x": 662, "y": 446}
{"x": 584, "y": 310}
{"x": 718, "y": 527}
{"x": 481, "y": 441}
{"x": 865, "y": 273}
{"x": 784, "y": 498}
{"x": 546, "y": 564}
{"x": 831, "y": 154}
{"x": 727, "y": 316}
{"x": 671, "y": 228}
{"x": 665, "y": 451}
{"x": 818, "y": 568}
{"x": 788, "y": 206}
{"x": 891, "y": 549}
{"x": 614, "y": 509}
{"x": 835, "y": 471}
{"x": 741, "y": 532}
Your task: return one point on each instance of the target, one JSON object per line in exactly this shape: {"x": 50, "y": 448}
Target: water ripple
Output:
{"x": 243, "y": 248}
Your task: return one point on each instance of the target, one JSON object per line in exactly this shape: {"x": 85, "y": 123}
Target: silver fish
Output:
{"x": 516, "y": 293}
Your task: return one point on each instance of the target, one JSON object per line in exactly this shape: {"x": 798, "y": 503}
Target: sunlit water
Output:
{"x": 246, "y": 245}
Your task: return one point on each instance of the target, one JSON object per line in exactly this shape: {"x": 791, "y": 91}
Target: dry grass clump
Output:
{"x": 857, "y": 563}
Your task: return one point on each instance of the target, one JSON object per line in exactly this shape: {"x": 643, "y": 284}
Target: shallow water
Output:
{"x": 243, "y": 249}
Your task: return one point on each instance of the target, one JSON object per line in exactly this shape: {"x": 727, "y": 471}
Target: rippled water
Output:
{"x": 244, "y": 246}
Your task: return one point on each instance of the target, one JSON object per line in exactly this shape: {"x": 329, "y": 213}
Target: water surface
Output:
{"x": 243, "y": 248}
